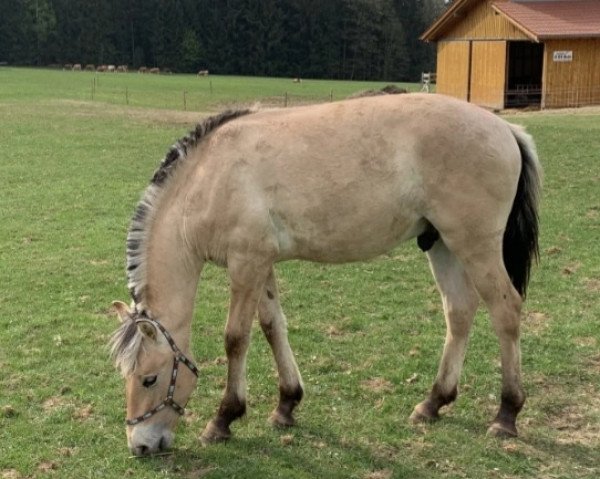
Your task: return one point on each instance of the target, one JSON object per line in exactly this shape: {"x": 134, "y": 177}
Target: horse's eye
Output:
{"x": 149, "y": 381}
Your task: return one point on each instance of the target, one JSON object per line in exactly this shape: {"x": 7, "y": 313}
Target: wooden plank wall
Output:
{"x": 488, "y": 73}
{"x": 472, "y": 57}
{"x": 453, "y": 60}
{"x": 483, "y": 23}
{"x": 575, "y": 83}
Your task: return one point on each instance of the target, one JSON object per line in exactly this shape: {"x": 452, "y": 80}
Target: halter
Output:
{"x": 179, "y": 357}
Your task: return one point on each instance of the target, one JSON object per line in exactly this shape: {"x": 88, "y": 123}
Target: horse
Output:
{"x": 331, "y": 183}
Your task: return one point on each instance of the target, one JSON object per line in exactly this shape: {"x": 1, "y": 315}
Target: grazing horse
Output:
{"x": 332, "y": 183}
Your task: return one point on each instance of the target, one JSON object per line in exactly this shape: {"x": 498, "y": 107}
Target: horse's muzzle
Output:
{"x": 145, "y": 441}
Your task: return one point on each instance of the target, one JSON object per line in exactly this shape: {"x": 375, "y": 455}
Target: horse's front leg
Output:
{"x": 247, "y": 280}
{"x": 274, "y": 326}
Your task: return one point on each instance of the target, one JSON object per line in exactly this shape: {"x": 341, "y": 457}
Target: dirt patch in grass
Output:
{"x": 83, "y": 413}
{"x": 55, "y": 402}
{"x": 382, "y": 474}
{"x": 47, "y": 466}
{"x": 585, "y": 341}
{"x": 576, "y": 417}
{"x": 592, "y": 284}
{"x": 377, "y": 385}
{"x": 571, "y": 268}
{"x": 10, "y": 474}
{"x": 535, "y": 322}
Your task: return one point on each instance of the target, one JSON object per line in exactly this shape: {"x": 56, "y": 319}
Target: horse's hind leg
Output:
{"x": 460, "y": 301}
{"x": 273, "y": 323}
{"x": 504, "y": 303}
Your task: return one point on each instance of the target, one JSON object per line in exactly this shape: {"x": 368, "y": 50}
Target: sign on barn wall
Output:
{"x": 563, "y": 56}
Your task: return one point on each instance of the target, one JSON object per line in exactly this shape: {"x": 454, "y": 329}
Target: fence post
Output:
{"x": 331, "y": 95}
{"x": 285, "y": 99}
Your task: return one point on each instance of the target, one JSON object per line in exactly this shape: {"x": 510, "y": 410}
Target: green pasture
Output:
{"x": 367, "y": 336}
{"x": 176, "y": 92}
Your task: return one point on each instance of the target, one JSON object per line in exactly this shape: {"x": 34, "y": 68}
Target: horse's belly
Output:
{"x": 344, "y": 238}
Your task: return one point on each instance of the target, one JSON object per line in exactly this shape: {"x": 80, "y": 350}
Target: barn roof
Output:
{"x": 553, "y": 19}
{"x": 538, "y": 19}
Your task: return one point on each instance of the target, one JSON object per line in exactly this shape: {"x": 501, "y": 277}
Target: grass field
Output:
{"x": 367, "y": 336}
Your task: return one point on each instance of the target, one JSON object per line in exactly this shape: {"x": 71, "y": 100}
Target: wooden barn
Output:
{"x": 516, "y": 53}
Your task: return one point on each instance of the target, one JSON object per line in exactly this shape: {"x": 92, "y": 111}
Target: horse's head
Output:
{"x": 159, "y": 379}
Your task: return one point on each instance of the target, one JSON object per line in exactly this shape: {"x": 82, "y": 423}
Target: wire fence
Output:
{"x": 552, "y": 98}
{"x": 205, "y": 96}
{"x": 571, "y": 97}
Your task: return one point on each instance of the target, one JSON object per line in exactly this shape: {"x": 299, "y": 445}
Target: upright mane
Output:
{"x": 144, "y": 212}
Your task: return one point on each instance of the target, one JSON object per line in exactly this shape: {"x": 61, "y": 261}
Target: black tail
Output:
{"x": 520, "y": 246}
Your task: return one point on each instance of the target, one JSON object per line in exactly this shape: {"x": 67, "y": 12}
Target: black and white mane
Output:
{"x": 126, "y": 340}
{"x": 143, "y": 216}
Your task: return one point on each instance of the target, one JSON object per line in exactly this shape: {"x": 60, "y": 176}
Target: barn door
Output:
{"x": 453, "y": 64}
{"x": 488, "y": 73}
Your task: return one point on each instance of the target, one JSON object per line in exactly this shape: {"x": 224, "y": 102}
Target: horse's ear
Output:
{"x": 122, "y": 310}
{"x": 147, "y": 329}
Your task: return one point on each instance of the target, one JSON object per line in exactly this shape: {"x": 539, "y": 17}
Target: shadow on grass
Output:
{"x": 267, "y": 456}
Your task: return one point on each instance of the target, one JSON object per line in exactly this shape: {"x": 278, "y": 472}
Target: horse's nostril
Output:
{"x": 163, "y": 444}
{"x": 142, "y": 450}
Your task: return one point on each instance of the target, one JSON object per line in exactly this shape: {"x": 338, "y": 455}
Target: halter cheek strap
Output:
{"x": 179, "y": 358}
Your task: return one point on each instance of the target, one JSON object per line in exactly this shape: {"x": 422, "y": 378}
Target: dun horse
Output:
{"x": 331, "y": 183}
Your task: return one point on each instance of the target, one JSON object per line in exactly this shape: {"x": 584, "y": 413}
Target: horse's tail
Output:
{"x": 520, "y": 245}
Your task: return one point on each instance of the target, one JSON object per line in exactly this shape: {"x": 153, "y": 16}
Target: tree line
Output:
{"x": 337, "y": 39}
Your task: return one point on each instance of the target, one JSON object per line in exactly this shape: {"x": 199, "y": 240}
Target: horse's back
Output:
{"x": 349, "y": 180}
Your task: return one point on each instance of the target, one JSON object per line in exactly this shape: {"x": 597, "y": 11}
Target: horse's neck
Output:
{"x": 172, "y": 273}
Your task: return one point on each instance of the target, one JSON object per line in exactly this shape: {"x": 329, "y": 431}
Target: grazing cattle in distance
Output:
{"x": 143, "y": 70}
{"x": 122, "y": 69}
{"x": 77, "y": 67}
{"x": 297, "y": 80}
{"x": 203, "y": 73}
{"x": 68, "y": 66}
{"x": 90, "y": 68}
{"x": 102, "y": 68}
{"x": 111, "y": 68}
{"x": 155, "y": 70}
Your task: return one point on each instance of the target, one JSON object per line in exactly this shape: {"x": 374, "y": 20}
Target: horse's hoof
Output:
{"x": 502, "y": 431}
{"x": 278, "y": 419}
{"x": 422, "y": 414}
{"x": 213, "y": 434}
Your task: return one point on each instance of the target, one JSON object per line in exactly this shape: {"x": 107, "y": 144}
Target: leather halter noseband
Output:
{"x": 179, "y": 357}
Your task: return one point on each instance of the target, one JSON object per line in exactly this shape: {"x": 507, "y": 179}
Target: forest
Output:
{"x": 335, "y": 39}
